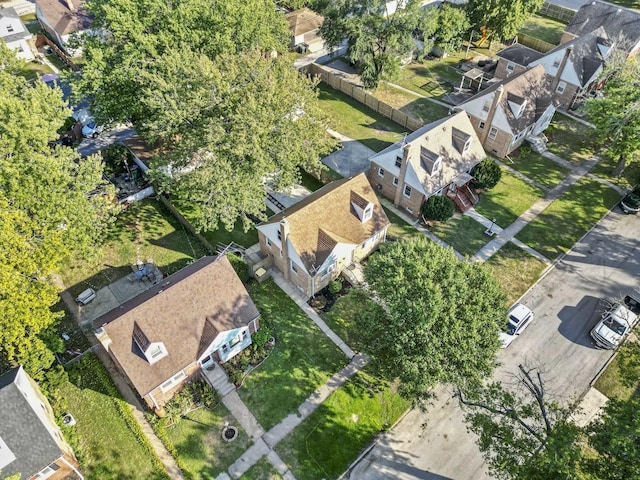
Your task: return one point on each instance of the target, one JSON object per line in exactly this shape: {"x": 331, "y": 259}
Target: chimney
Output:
{"x": 402, "y": 174}
{"x": 556, "y": 79}
{"x": 284, "y": 234}
{"x": 70, "y": 5}
{"x": 497, "y": 97}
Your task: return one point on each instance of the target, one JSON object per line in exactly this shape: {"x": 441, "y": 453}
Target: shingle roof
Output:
{"x": 185, "y": 312}
{"x": 22, "y": 429}
{"x": 10, "y": 12}
{"x": 520, "y": 54}
{"x": 303, "y": 21}
{"x": 621, "y": 24}
{"x": 326, "y": 217}
{"x": 63, "y": 19}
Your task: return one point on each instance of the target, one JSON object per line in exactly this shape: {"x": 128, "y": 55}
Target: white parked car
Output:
{"x": 518, "y": 319}
{"x": 91, "y": 130}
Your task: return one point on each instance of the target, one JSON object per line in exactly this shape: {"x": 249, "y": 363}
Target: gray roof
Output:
{"x": 520, "y": 54}
{"x": 8, "y": 12}
{"x": 621, "y": 24}
{"x": 23, "y": 431}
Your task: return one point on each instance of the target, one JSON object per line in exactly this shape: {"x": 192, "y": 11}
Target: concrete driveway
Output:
{"x": 351, "y": 159}
{"x": 566, "y": 303}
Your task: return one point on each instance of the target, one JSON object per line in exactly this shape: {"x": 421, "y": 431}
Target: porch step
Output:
{"x": 538, "y": 144}
{"x": 218, "y": 380}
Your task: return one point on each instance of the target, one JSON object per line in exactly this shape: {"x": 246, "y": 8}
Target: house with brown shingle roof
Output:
{"x": 312, "y": 241}
{"x": 194, "y": 318}
{"x": 63, "y": 18}
{"x": 508, "y": 112}
{"x": 304, "y": 25}
{"x": 436, "y": 159}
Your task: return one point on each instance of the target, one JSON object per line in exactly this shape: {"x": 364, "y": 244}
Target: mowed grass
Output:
{"x": 562, "y": 224}
{"x": 106, "y": 438}
{"x": 324, "y": 444}
{"x": 432, "y": 78}
{"x": 197, "y": 439}
{"x": 355, "y": 120}
{"x": 544, "y": 28}
{"x": 463, "y": 233}
{"x": 303, "y": 359}
{"x": 570, "y": 139}
{"x": 630, "y": 175}
{"x": 147, "y": 230}
{"x": 262, "y": 470}
{"x": 399, "y": 229}
{"x": 628, "y": 3}
{"x": 538, "y": 168}
{"x": 508, "y": 199}
{"x": 341, "y": 319}
{"x": 625, "y": 365}
{"x": 414, "y": 106}
{"x": 515, "y": 269}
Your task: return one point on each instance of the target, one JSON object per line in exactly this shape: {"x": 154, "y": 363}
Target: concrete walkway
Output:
{"x": 243, "y": 415}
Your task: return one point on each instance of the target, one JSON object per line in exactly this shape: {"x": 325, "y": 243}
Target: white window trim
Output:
{"x": 267, "y": 241}
{"x": 398, "y": 161}
{"x": 381, "y": 172}
{"x": 493, "y": 133}
{"x": 562, "y": 86}
{"x": 368, "y": 213}
{"x": 294, "y": 269}
{"x": 404, "y": 191}
{"x": 481, "y": 125}
{"x": 510, "y": 67}
{"x": 173, "y": 381}
{"x": 395, "y": 181}
{"x": 486, "y": 106}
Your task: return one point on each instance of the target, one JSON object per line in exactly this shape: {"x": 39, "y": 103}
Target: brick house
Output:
{"x": 63, "y": 18}
{"x": 621, "y": 25}
{"x": 436, "y": 159}
{"x": 510, "y": 111}
{"x": 14, "y": 34}
{"x": 575, "y": 66}
{"x": 31, "y": 443}
{"x": 312, "y": 241}
{"x": 194, "y": 318}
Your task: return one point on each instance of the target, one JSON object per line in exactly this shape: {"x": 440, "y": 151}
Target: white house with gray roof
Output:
{"x": 14, "y": 34}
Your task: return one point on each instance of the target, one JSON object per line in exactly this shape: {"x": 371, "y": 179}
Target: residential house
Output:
{"x": 193, "y": 319}
{"x": 312, "y": 241}
{"x": 575, "y": 66}
{"x": 31, "y": 443}
{"x": 63, "y": 18}
{"x": 14, "y": 34}
{"x": 305, "y": 30}
{"x": 622, "y": 25}
{"x": 508, "y": 112}
{"x": 436, "y": 159}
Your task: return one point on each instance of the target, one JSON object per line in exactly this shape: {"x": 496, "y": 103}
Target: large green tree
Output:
{"x": 377, "y": 41}
{"x": 500, "y": 19}
{"x": 452, "y": 28}
{"x": 616, "y": 114}
{"x": 206, "y": 84}
{"x": 433, "y": 318}
{"x": 46, "y": 212}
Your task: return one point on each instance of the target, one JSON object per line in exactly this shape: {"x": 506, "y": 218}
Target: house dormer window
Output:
{"x": 279, "y": 235}
{"x": 398, "y": 162}
{"x": 430, "y": 161}
{"x": 9, "y": 28}
{"x": 152, "y": 351}
{"x": 556, "y": 62}
{"x": 368, "y": 213}
{"x": 486, "y": 106}
{"x": 510, "y": 68}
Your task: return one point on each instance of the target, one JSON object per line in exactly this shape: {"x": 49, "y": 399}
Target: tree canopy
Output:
{"x": 206, "y": 84}
{"x": 377, "y": 40}
{"x": 433, "y": 318}
{"x": 46, "y": 212}
{"x": 500, "y": 19}
{"x": 616, "y": 114}
{"x": 452, "y": 27}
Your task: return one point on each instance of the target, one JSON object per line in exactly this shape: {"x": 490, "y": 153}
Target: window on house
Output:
{"x": 493, "y": 133}
{"x": 510, "y": 68}
{"x": 561, "y": 87}
{"x": 556, "y": 63}
{"x": 294, "y": 269}
{"x": 234, "y": 341}
{"x": 368, "y": 213}
{"x": 410, "y": 210}
{"x": 481, "y": 125}
{"x": 279, "y": 235}
{"x": 395, "y": 181}
{"x": 9, "y": 28}
{"x": 486, "y": 106}
{"x": 398, "y": 162}
{"x": 20, "y": 49}
{"x": 407, "y": 191}
{"x": 157, "y": 351}
{"x": 267, "y": 241}
{"x": 467, "y": 144}
{"x": 380, "y": 172}
{"x": 225, "y": 347}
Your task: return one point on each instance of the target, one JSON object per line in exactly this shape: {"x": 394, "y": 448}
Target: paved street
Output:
{"x": 89, "y": 146}
{"x": 566, "y": 303}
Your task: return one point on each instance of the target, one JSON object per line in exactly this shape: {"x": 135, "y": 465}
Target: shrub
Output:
{"x": 438, "y": 208}
{"x": 486, "y": 174}
{"x": 335, "y": 286}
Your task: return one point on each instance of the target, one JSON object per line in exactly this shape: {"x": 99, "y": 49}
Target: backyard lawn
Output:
{"x": 147, "y": 230}
{"x": 106, "y": 438}
{"x": 325, "y": 443}
{"x": 414, "y": 106}
{"x": 198, "y": 445}
{"x": 508, "y": 199}
{"x": 570, "y": 139}
{"x": 564, "y": 222}
{"x": 303, "y": 359}
{"x": 463, "y": 233}
{"x": 544, "y": 28}
{"x": 262, "y": 470}
{"x": 544, "y": 171}
{"x": 515, "y": 269}
{"x": 353, "y": 119}
{"x": 432, "y": 78}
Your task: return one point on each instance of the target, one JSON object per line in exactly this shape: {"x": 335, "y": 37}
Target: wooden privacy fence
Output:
{"x": 557, "y": 12}
{"x": 42, "y": 40}
{"x": 357, "y": 93}
{"x": 534, "y": 43}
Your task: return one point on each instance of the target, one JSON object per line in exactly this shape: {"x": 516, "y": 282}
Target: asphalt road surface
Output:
{"x": 89, "y": 146}
{"x": 566, "y": 302}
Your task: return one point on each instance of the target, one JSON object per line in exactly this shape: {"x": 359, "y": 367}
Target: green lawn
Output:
{"x": 28, "y": 17}
{"x": 106, "y": 438}
{"x": 630, "y": 175}
{"x": 263, "y": 470}
{"x": 310, "y": 182}
{"x": 570, "y": 139}
{"x": 57, "y": 62}
{"x": 544, "y": 171}
{"x": 147, "y": 230}
{"x": 508, "y": 199}
{"x": 515, "y": 269}
{"x": 416, "y": 107}
{"x": 325, "y": 443}
{"x": 544, "y": 28}
{"x": 463, "y": 233}
{"x": 198, "y": 445}
{"x": 399, "y": 229}
{"x": 432, "y": 78}
{"x": 302, "y": 360}
{"x": 562, "y": 224}
{"x": 340, "y": 319}
{"x": 355, "y": 120}
{"x": 34, "y": 70}
{"x": 626, "y": 364}
{"x": 628, "y": 3}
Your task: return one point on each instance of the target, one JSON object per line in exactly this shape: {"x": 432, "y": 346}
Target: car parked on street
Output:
{"x": 631, "y": 202}
{"x": 616, "y": 323}
{"x": 518, "y": 319}
{"x": 91, "y": 129}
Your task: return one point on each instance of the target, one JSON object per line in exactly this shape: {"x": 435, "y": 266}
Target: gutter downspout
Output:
{"x": 77, "y": 472}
